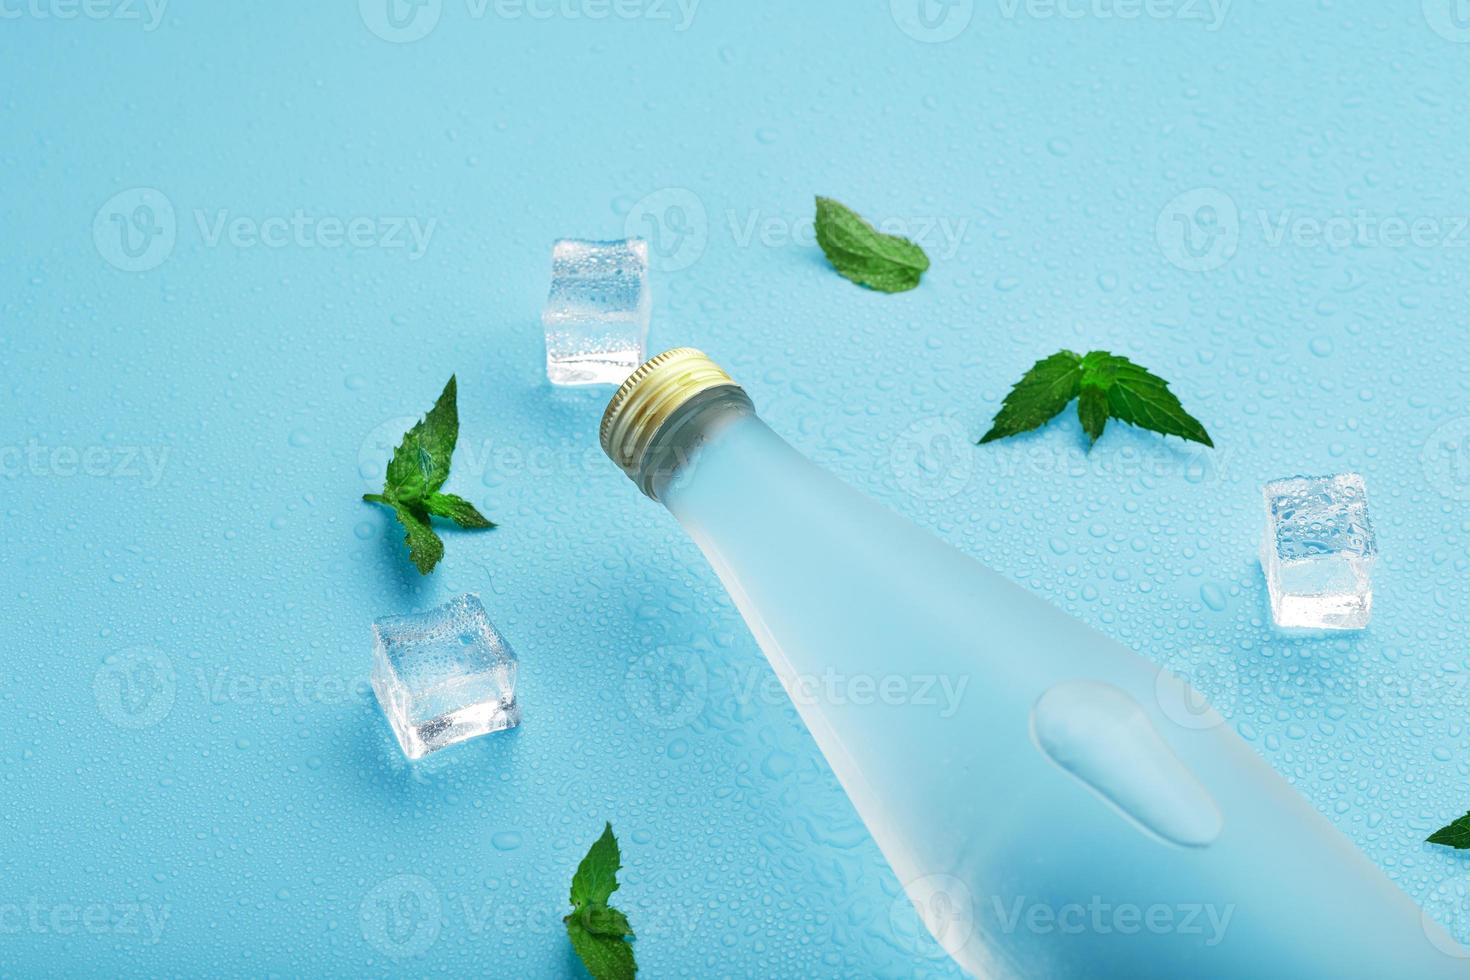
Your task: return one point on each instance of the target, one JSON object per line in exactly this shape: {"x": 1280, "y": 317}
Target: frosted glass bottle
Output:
{"x": 1072, "y": 812}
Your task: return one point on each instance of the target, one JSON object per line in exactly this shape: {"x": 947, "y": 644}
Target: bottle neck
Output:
{"x": 671, "y": 454}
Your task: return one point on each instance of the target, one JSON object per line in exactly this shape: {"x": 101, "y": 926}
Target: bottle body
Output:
{"x": 1021, "y": 772}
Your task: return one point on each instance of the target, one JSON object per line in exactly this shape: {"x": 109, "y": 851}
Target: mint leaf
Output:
{"x": 1456, "y": 835}
{"x": 1143, "y": 399}
{"x": 1107, "y": 386}
{"x": 604, "y": 957}
{"x": 420, "y": 464}
{"x": 1092, "y": 409}
{"x": 597, "y": 931}
{"x": 1038, "y": 397}
{"x": 458, "y": 510}
{"x": 860, "y": 252}
{"x": 419, "y": 467}
{"x": 597, "y": 876}
{"x": 603, "y": 920}
{"x": 424, "y": 547}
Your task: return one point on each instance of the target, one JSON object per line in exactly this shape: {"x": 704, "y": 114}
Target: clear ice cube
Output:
{"x": 443, "y": 676}
{"x": 1318, "y": 552}
{"x": 596, "y": 317}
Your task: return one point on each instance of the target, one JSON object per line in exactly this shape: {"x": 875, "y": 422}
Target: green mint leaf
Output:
{"x": 1039, "y": 396}
{"x": 1456, "y": 835}
{"x": 602, "y": 920}
{"x": 424, "y": 547}
{"x": 1141, "y": 398}
{"x": 419, "y": 467}
{"x": 598, "y": 932}
{"x": 597, "y": 876}
{"x": 457, "y": 509}
{"x": 420, "y": 464}
{"x": 605, "y": 957}
{"x": 1092, "y": 409}
{"x": 1107, "y": 386}
{"x": 868, "y": 257}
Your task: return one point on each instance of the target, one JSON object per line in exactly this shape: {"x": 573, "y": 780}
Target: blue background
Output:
{"x": 187, "y": 729}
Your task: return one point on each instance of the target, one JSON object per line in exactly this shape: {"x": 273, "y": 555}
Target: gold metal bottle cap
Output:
{"x": 650, "y": 396}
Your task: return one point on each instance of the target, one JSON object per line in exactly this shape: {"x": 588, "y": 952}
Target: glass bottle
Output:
{"x": 1054, "y": 804}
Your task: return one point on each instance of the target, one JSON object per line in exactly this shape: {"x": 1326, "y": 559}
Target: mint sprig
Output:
{"x": 1456, "y": 835}
{"x": 865, "y": 255}
{"x": 419, "y": 467}
{"x": 1106, "y": 386}
{"x": 599, "y": 933}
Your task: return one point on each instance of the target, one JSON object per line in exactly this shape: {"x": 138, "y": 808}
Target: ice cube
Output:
{"x": 1318, "y": 552}
{"x": 443, "y": 676}
{"x": 596, "y": 317}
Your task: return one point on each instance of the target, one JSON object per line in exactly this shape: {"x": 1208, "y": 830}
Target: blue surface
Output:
{"x": 189, "y": 574}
